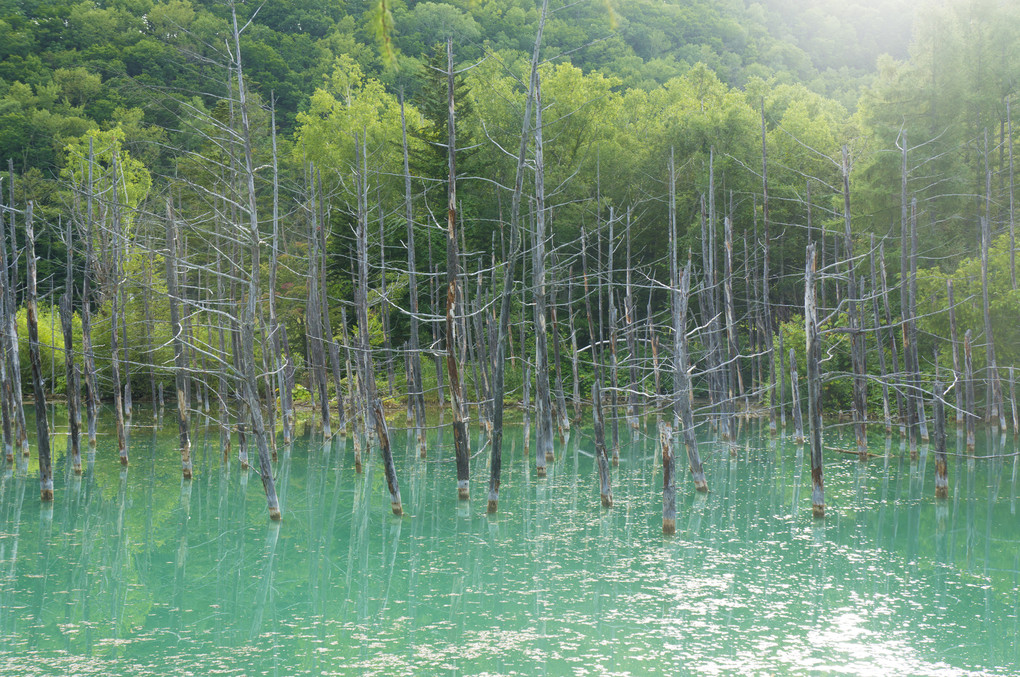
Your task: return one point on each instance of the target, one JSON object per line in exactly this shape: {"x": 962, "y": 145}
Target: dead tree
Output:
{"x": 70, "y": 368}
{"x": 679, "y": 294}
{"x": 462, "y": 444}
{"x": 41, "y": 424}
{"x": 601, "y": 453}
{"x": 813, "y": 351}
{"x": 177, "y": 338}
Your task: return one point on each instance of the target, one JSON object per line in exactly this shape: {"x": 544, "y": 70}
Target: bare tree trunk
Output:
{"x": 601, "y": 454}
{"x": 503, "y": 323}
{"x": 70, "y": 368}
{"x": 543, "y": 403}
{"x": 968, "y": 378}
{"x": 14, "y": 367}
{"x": 327, "y": 324}
{"x": 575, "y": 354}
{"x": 893, "y": 352}
{"x": 941, "y": 469}
{"x": 957, "y": 372}
{"x": 1012, "y": 210}
{"x": 286, "y": 398}
{"x": 9, "y": 351}
{"x": 118, "y": 401}
{"x": 630, "y": 318}
{"x": 417, "y": 391}
{"x": 995, "y": 407}
{"x": 41, "y": 425}
{"x": 879, "y": 340}
{"x": 180, "y": 360}
{"x": 250, "y": 314}
{"x": 388, "y": 467}
{"x": 857, "y": 357}
{"x": 462, "y": 444}
{"x": 766, "y": 308}
{"x": 679, "y": 293}
{"x": 917, "y": 392}
{"x": 813, "y": 351}
{"x": 798, "y": 422}
{"x": 313, "y": 315}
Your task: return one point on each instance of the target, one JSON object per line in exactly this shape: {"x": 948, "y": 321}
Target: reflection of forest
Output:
{"x": 139, "y": 570}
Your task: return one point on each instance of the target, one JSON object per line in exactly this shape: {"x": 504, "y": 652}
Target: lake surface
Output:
{"x": 138, "y": 573}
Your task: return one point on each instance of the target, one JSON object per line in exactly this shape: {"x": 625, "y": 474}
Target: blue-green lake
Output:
{"x": 137, "y": 572}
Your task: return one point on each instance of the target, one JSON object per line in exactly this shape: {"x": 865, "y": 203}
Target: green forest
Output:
{"x": 255, "y": 207}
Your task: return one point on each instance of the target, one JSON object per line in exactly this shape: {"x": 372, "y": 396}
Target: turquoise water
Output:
{"x": 138, "y": 573}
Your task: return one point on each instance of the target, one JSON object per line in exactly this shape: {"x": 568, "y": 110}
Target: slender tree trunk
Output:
{"x": 813, "y": 351}
{"x": 118, "y": 400}
{"x": 313, "y": 316}
{"x": 893, "y": 352}
{"x": 180, "y": 360}
{"x": 248, "y": 325}
{"x": 543, "y": 403}
{"x": 679, "y": 294}
{"x": 630, "y": 318}
{"x": 601, "y": 453}
{"x": 968, "y": 378}
{"x": 9, "y": 350}
{"x": 417, "y": 391}
{"x": 388, "y": 466}
{"x": 462, "y": 445}
{"x": 327, "y": 324}
{"x": 941, "y": 469}
{"x": 918, "y": 393}
{"x": 857, "y": 357}
{"x": 1012, "y": 210}
{"x": 506, "y": 294}
{"x": 995, "y": 407}
{"x": 879, "y": 339}
{"x": 41, "y": 425}
{"x": 957, "y": 372}
{"x": 70, "y": 368}
{"x": 798, "y": 422}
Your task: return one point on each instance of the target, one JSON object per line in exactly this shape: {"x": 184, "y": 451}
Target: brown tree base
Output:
{"x": 274, "y": 514}
{"x": 941, "y": 492}
{"x": 668, "y": 526}
{"x": 186, "y": 472}
{"x": 818, "y": 511}
{"x": 397, "y": 509}
{"x": 549, "y": 457}
{"x": 463, "y": 494}
{"x": 47, "y": 495}
{"x": 492, "y": 507}
{"x": 607, "y": 500}
{"x": 540, "y": 471}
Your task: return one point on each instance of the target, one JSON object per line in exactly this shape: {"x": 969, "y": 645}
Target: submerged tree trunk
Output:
{"x": 416, "y": 393}
{"x": 250, "y": 383}
{"x": 506, "y": 294}
{"x": 813, "y": 351}
{"x": 798, "y": 422}
{"x": 680, "y": 291}
{"x": 180, "y": 361}
{"x": 70, "y": 368}
{"x": 941, "y": 470}
{"x": 462, "y": 445}
{"x": 41, "y": 425}
{"x": 601, "y": 453}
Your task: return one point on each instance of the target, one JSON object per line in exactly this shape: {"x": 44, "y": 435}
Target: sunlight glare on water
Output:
{"x": 141, "y": 573}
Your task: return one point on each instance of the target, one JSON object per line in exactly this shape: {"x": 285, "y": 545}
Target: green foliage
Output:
{"x": 1003, "y": 303}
